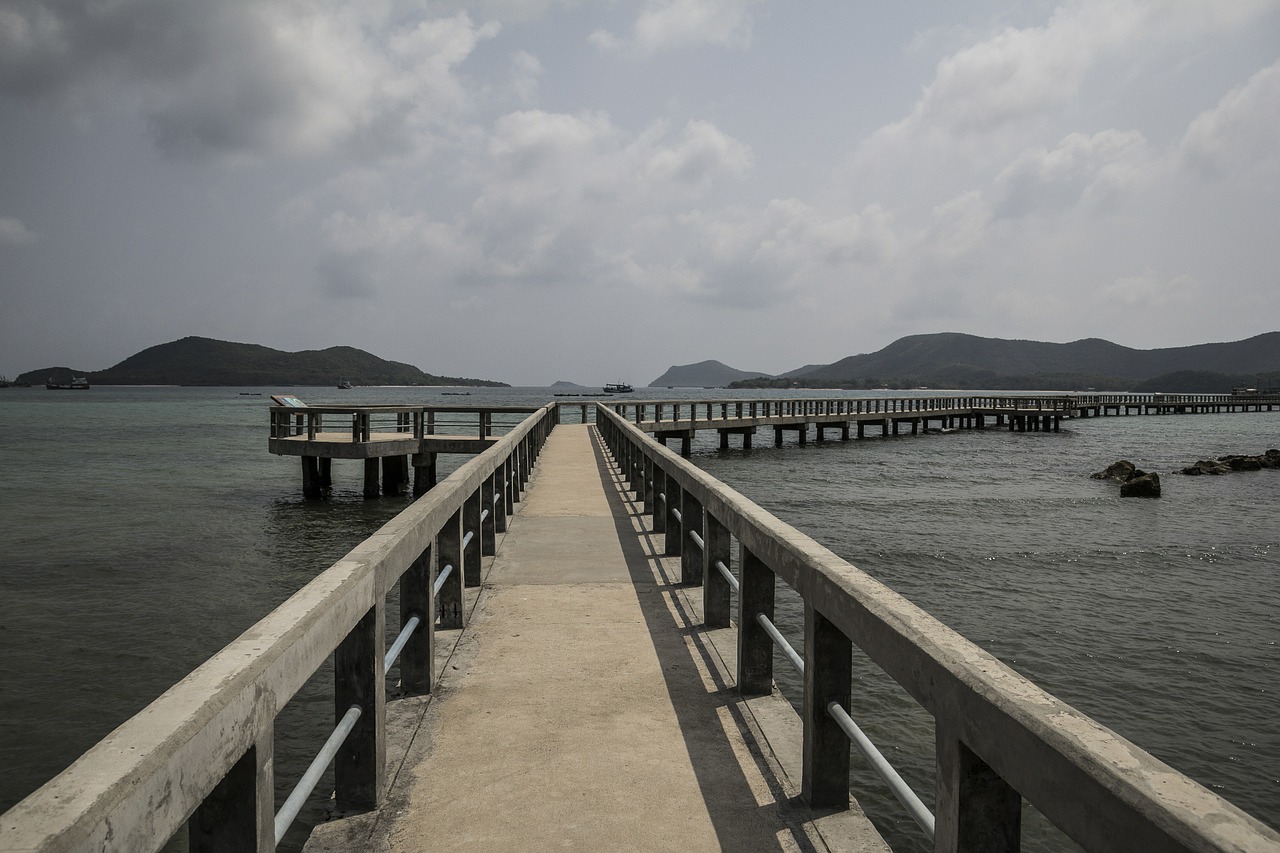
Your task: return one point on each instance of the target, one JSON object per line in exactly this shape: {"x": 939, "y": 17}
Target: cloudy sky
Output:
{"x": 534, "y": 190}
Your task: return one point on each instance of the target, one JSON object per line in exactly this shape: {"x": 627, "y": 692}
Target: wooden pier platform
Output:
{"x": 587, "y": 708}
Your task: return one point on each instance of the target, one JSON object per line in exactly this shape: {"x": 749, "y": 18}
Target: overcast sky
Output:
{"x": 548, "y": 189}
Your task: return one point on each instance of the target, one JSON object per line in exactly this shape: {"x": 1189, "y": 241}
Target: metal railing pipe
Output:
{"x": 444, "y": 573}
{"x": 780, "y": 641}
{"x": 406, "y": 632}
{"x": 293, "y": 804}
{"x": 728, "y": 575}
{"x": 875, "y": 759}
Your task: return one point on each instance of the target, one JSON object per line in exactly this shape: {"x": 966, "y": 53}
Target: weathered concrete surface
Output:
{"x": 585, "y": 710}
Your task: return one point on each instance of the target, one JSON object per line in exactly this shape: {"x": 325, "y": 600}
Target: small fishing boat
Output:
{"x": 344, "y": 385}
{"x": 618, "y": 388}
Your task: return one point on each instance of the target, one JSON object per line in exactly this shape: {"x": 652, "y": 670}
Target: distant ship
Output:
{"x": 618, "y": 388}
{"x": 77, "y": 383}
{"x": 344, "y": 385}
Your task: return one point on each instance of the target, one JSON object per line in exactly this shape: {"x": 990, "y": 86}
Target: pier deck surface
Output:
{"x": 585, "y": 707}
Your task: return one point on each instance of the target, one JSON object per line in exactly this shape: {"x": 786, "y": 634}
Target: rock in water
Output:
{"x": 1123, "y": 471}
{"x": 1143, "y": 486}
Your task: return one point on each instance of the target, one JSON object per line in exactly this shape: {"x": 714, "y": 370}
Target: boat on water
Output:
{"x": 618, "y": 388}
{"x": 344, "y": 385}
{"x": 77, "y": 383}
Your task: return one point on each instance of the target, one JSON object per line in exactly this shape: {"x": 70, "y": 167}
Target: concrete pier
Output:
{"x": 586, "y": 706}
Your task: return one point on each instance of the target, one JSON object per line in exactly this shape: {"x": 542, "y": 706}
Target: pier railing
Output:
{"x": 203, "y": 753}
{"x": 999, "y": 738}
{"x": 363, "y": 422}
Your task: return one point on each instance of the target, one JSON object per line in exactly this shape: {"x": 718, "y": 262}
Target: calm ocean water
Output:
{"x": 144, "y": 528}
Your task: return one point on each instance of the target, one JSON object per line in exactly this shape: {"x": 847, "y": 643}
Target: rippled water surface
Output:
{"x": 144, "y": 528}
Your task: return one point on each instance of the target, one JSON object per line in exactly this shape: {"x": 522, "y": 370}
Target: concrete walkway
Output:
{"x": 585, "y": 709}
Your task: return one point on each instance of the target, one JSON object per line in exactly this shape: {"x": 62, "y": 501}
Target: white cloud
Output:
{"x": 243, "y": 79}
{"x": 526, "y": 71}
{"x": 1240, "y": 136}
{"x": 14, "y": 232}
{"x": 1093, "y": 169}
{"x": 665, "y": 25}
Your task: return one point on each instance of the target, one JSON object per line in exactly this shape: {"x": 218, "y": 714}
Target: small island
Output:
{"x": 206, "y": 361}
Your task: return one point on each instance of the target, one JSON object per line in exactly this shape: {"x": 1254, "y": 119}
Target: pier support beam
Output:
{"x": 239, "y": 812}
{"x": 371, "y": 489}
{"x": 424, "y": 473}
{"x": 417, "y": 598}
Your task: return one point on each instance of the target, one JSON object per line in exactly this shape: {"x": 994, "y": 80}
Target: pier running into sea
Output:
{"x": 569, "y": 642}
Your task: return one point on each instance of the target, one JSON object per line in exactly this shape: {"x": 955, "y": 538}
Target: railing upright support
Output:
{"x": 449, "y": 553}
{"x": 976, "y": 809}
{"x": 715, "y": 589}
{"x": 360, "y": 766}
{"x": 488, "y": 522}
{"x": 660, "y": 500}
{"x": 417, "y": 598}
{"x": 238, "y": 814}
{"x": 691, "y": 555}
{"x": 755, "y": 646}
{"x": 828, "y": 677}
{"x": 675, "y": 529}
{"x": 471, "y": 552}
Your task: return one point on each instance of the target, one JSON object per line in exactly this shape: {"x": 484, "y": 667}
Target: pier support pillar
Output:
{"x": 424, "y": 473}
{"x": 371, "y": 489}
{"x": 828, "y": 677}
{"x": 777, "y": 436}
{"x": 976, "y": 809}
{"x": 488, "y": 530}
{"x": 312, "y": 487}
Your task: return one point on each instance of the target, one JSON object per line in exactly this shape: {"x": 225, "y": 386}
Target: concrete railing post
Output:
{"x": 691, "y": 555}
{"x": 471, "y": 562}
{"x": 360, "y": 765}
{"x": 496, "y": 490}
{"x": 658, "y": 506}
{"x": 647, "y": 485}
{"x": 715, "y": 589}
{"x": 828, "y": 677}
{"x": 417, "y": 598}
{"x": 238, "y": 814}
{"x": 449, "y": 553}
{"x": 976, "y": 809}
{"x": 488, "y": 522}
{"x": 675, "y": 530}
{"x": 755, "y": 647}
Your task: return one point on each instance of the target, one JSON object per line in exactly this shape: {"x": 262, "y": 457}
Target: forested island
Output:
{"x": 968, "y": 362}
{"x": 205, "y": 361}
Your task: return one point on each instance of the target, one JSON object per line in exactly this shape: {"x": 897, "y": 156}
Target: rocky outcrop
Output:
{"x": 1144, "y": 486}
{"x": 1124, "y": 470}
{"x": 1234, "y": 462}
{"x": 1134, "y": 482}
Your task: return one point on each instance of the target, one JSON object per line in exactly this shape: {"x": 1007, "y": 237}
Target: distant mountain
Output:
{"x": 564, "y": 383}
{"x": 205, "y": 361}
{"x": 954, "y": 360}
{"x": 704, "y": 374}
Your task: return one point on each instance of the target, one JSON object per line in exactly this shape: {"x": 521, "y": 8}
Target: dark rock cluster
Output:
{"x": 1227, "y": 464}
{"x": 1134, "y": 482}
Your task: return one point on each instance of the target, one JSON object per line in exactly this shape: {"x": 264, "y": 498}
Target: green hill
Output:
{"x": 205, "y": 361}
{"x": 704, "y": 374}
{"x": 954, "y": 360}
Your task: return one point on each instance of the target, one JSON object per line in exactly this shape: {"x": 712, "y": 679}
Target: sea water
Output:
{"x": 144, "y": 528}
